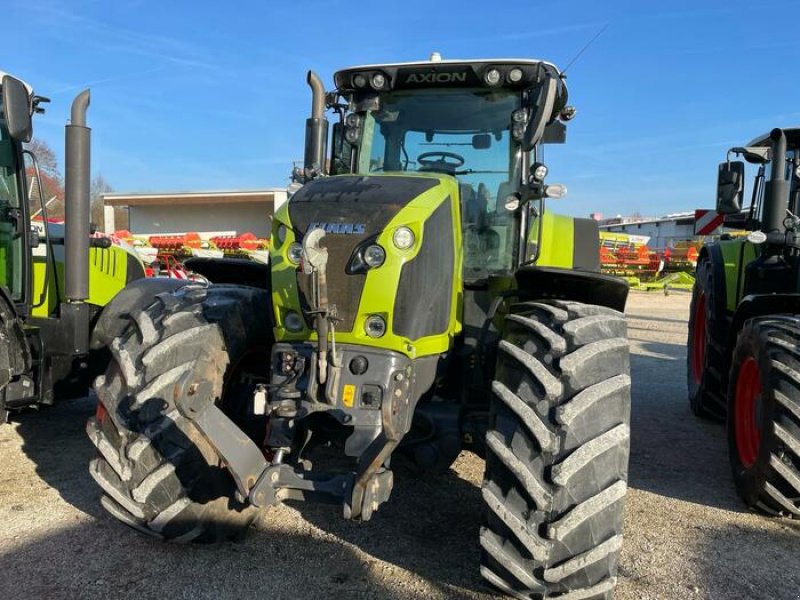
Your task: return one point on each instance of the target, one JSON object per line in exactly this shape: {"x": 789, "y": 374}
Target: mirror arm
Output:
{"x": 49, "y": 258}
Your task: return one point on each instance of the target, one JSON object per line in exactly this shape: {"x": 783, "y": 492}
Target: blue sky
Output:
{"x": 210, "y": 95}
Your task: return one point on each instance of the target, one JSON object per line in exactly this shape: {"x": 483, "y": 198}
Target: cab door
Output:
{"x": 14, "y": 223}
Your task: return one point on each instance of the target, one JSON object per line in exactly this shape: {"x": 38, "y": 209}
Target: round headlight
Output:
{"x": 378, "y": 81}
{"x": 403, "y": 238}
{"x": 359, "y": 81}
{"x": 519, "y": 116}
{"x": 352, "y": 120}
{"x": 511, "y": 203}
{"x": 492, "y": 76}
{"x": 515, "y": 75}
{"x": 539, "y": 172}
{"x": 295, "y": 253}
{"x": 374, "y": 255}
{"x": 293, "y": 321}
{"x": 375, "y": 326}
{"x": 351, "y": 135}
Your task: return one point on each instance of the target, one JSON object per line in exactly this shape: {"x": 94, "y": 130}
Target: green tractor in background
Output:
{"x": 421, "y": 302}
{"x": 55, "y": 280}
{"x": 744, "y": 329}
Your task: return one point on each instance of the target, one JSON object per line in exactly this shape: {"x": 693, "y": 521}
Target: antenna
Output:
{"x": 586, "y": 47}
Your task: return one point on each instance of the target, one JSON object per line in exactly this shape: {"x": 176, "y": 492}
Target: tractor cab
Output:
{"x": 776, "y": 156}
{"x": 476, "y": 121}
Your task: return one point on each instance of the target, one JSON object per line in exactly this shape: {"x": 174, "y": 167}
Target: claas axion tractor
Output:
{"x": 421, "y": 301}
{"x": 56, "y": 281}
{"x": 744, "y": 329}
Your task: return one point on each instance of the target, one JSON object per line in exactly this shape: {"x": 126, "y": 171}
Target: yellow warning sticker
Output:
{"x": 348, "y": 395}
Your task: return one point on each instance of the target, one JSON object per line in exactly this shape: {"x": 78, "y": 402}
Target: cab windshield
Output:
{"x": 464, "y": 133}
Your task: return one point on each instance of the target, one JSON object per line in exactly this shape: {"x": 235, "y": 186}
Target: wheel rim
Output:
{"x": 747, "y": 401}
{"x": 699, "y": 338}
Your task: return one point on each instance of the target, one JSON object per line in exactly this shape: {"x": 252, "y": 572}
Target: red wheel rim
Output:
{"x": 748, "y": 395}
{"x": 699, "y": 338}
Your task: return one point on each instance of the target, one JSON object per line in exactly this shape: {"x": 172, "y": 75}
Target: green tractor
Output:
{"x": 744, "y": 329}
{"x": 421, "y": 302}
{"x": 55, "y": 280}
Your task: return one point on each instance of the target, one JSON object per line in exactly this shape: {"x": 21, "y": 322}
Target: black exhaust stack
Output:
{"x": 316, "y": 130}
{"x": 776, "y": 200}
{"x": 75, "y": 312}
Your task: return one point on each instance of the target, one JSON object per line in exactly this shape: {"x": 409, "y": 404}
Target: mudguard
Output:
{"x": 565, "y": 284}
{"x": 136, "y": 295}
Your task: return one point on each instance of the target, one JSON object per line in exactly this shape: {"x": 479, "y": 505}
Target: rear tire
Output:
{"x": 705, "y": 358}
{"x": 158, "y": 474}
{"x": 557, "y": 452}
{"x": 764, "y": 415}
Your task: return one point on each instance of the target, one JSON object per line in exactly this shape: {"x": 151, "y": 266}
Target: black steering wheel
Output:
{"x": 438, "y": 161}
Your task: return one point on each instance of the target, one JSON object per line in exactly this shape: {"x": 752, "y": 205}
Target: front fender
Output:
{"x": 567, "y": 284}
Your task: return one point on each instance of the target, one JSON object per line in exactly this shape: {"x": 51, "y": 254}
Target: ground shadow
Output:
{"x": 750, "y": 562}
{"x": 103, "y": 559}
{"x": 54, "y": 438}
{"x": 673, "y": 452}
{"x": 429, "y": 526}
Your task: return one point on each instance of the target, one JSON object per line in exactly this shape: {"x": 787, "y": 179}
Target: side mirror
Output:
{"x": 543, "y": 113}
{"x": 17, "y": 109}
{"x": 730, "y": 187}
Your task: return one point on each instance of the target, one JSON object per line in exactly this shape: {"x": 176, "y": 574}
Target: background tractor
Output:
{"x": 55, "y": 280}
{"x": 421, "y": 301}
{"x": 744, "y": 329}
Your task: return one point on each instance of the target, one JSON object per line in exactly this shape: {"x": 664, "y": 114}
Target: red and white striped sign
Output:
{"x": 707, "y": 221}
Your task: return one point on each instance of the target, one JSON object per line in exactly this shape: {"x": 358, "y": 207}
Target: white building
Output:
{"x": 207, "y": 213}
{"x": 663, "y": 231}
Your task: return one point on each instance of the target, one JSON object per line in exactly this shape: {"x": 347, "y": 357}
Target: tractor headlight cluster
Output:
{"x": 375, "y": 326}
{"x": 352, "y": 128}
{"x": 295, "y": 253}
{"x": 376, "y": 80}
{"x": 519, "y": 122}
{"x": 403, "y": 238}
{"x": 374, "y": 255}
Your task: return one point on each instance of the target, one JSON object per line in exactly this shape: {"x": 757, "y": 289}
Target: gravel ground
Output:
{"x": 686, "y": 533}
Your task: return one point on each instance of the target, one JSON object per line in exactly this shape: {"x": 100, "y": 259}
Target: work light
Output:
{"x": 403, "y": 238}
{"x": 375, "y": 326}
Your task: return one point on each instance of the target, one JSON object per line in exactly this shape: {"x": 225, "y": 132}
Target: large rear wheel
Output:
{"x": 764, "y": 415}
{"x": 157, "y": 473}
{"x": 557, "y": 452}
{"x": 705, "y": 357}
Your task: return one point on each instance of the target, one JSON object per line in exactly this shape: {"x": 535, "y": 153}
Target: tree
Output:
{"x": 52, "y": 181}
{"x": 98, "y": 187}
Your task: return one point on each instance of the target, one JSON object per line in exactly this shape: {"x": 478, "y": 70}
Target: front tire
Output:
{"x": 557, "y": 452}
{"x": 764, "y": 415}
{"x": 158, "y": 474}
{"x": 705, "y": 356}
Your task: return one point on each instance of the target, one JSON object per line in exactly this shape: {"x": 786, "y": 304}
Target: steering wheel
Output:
{"x": 426, "y": 160}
